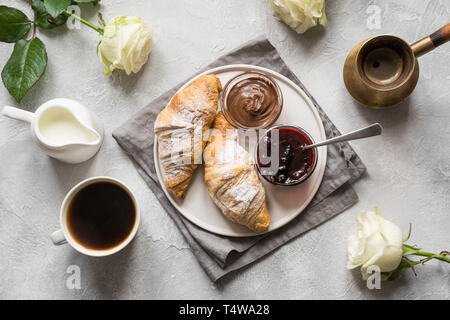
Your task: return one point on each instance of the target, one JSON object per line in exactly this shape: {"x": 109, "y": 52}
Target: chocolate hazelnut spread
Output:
{"x": 253, "y": 102}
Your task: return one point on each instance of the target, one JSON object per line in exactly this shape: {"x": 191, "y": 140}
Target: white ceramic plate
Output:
{"x": 284, "y": 203}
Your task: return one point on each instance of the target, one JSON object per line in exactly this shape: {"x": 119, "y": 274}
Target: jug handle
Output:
{"x": 18, "y": 114}
{"x": 432, "y": 41}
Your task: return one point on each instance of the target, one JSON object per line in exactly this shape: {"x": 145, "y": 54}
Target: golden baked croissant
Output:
{"x": 180, "y": 128}
{"x": 231, "y": 178}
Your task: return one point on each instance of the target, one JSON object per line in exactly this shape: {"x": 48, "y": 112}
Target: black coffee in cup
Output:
{"x": 101, "y": 216}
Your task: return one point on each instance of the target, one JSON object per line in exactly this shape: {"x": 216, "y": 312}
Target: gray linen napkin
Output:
{"x": 220, "y": 255}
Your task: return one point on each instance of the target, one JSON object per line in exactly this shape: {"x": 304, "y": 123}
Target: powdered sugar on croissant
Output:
{"x": 180, "y": 128}
{"x": 231, "y": 179}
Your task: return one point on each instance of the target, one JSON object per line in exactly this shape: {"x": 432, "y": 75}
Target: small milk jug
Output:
{"x": 64, "y": 129}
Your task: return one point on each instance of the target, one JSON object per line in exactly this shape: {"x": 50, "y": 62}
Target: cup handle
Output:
{"x": 18, "y": 114}
{"x": 58, "y": 238}
{"x": 432, "y": 41}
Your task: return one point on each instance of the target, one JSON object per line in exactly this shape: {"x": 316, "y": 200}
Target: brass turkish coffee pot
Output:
{"x": 383, "y": 71}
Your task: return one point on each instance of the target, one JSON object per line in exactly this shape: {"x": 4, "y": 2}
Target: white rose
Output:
{"x": 126, "y": 44}
{"x": 376, "y": 241}
{"x": 300, "y": 15}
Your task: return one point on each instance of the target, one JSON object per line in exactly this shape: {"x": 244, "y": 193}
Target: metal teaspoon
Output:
{"x": 370, "y": 131}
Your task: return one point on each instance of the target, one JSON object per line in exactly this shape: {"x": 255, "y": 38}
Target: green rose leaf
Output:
{"x": 404, "y": 264}
{"x": 86, "y": 1}
{"x": 44, "y": 19}
{"x": 56, "y": 7}
{"x": 25, "y": 66}
{"x": 14, "y": 24}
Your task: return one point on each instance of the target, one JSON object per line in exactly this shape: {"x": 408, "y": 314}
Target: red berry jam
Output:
{"x": 294, "y": 164}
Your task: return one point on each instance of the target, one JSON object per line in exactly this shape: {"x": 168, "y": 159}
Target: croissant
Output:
{"x": 231, "y": 178}
{"x": 180, "y": 128}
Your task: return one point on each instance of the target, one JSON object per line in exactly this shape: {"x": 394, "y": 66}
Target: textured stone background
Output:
{"x": 408, "y": 168}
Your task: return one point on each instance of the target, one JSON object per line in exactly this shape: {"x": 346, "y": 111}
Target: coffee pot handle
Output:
{"x": 432, "y": 41}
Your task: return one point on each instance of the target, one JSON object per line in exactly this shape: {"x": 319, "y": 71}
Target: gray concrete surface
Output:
{"x": 408, "y": 169}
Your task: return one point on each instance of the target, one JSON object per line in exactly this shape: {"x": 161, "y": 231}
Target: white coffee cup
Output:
{"x": 63, "y": 235}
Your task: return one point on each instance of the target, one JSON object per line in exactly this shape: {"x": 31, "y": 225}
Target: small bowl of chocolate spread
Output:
{"x": 251, "y": 100}
{"x": 279, "y": 156}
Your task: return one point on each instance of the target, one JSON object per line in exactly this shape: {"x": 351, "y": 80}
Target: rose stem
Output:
{"x": 33, "y": 22}
{"x": 432, "y": 255}
{"x": 96, "y": 28}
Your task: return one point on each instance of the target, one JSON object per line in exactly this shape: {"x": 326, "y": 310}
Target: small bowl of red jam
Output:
{"x": 280, "y": 158}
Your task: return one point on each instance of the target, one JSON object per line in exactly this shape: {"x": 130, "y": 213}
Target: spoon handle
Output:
{"x": 370, "y": 131}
